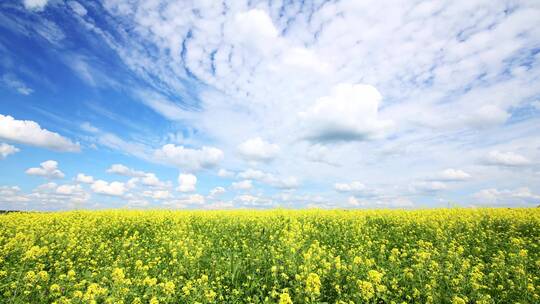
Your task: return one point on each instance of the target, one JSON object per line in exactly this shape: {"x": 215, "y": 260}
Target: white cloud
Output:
{"x": 88, "y": 127}
{"x": 189, "y": 159}
{"x": 288, "y": 182}
{"x": 47, "y": 169}
{"x": 186, "y": 182}
{"x": 35, "y": 5}
{"x": 256, "y": 149}
{"x": 350, "y": 113}
{"x": 150, "y": 179}
{"x": 453, "y": 175}
{"x": 381, "y": 202}
{"x": 217, "y": 191}
{"x": 158, "y": 194}
{"x": 242, "y": 185}
{"x": 493, "y": 196}
{"x": 77, "y": 8}
{"x": 65, "y": 195}
{"x": 112, "y": 188}
{"x": 219, "y": 205}
{"x": 351, "y": 187}
{"x": 30, "y": 133}
{"x": 16, "y": 84}
{"x": 85, "y": 179}
{"x": 12, "y": 195}
{"x": 225, "y": 173}
{"x": 6, "y": 150}
{"x": 183, "y": 202}
{"x": 509, "y": 159}
{"x": 125, "y": 171}
{"x": 456, "y": 77}
{"x": 67, "y": 189}
{"x": 428, "y": 186}
{"x": 254, "y": 201}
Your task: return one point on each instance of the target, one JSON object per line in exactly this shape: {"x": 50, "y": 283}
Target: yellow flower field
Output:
{"x": 278, "y": 256}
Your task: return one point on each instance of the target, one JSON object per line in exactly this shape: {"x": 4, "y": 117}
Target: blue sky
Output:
{"x": 246, "y": 104}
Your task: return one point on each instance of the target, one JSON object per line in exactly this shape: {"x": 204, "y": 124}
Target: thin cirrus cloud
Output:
{"x": 30, "y": 133}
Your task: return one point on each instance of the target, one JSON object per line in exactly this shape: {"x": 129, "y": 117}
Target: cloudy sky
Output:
{"x": 252, "y": 104}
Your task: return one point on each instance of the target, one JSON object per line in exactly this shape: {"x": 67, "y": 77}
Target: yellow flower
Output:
{"x": 313, "y": 284}
{"x": 77, "y": 294}
{"x": 375, "y": 276}
{"x": 458, "y": 300}
{"x": 118, "y": 275}
{"x": 43, "y": 275}
{"x": 55, "y": 289}
{"x": 30, "y": 276}
{"x": 154, "y": 300}
{"x": 149, "y": 281}
{"x": 210, "y": 295}
{"x": 285, "y": 298}
{"x": 366, "y": 289}
{"x": 169, "y": 287}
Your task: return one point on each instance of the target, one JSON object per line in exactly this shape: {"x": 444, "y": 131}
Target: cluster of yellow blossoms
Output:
{"x": 453, "y": 256}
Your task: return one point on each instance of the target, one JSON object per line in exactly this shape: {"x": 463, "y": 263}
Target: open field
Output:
{"x": 279, "y": 256}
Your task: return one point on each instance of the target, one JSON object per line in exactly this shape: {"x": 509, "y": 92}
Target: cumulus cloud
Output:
{"x": 494, "y": 196}
{"x": 248, "y": 200}
{"x": 380, "y": 202}
{"x": 351, "y": 187}
{"x": 111, "y": 189}
{"x": 85, "y": 179}
{"x": 158, "y": 194}
{"x": 35, "y": 5}
{"x": 6, "y": 150}
{"x": 12, "y": 195}
{"x": 428, "y": 186}
{"x": 288, "y": 182}
{"x": 219, "y": 205}
{"x": 125, "y": 171}
{"x": 216, "y": 192}
{"x": 47, "y": 169}
{"x": 349, "y": 114}
{"x": 196, "y": 200}
{"x": 187, "y": 158}
{"x": 225, "y": 173}
{"x": 67, "y": 189}
{"x": 186, "y": 182}
{"x": 509, "y": 159}
{"x": 242, "y": 185}
{"x": 30, "y": 133}
{"x": 453, "y": 175}
{"x": 150, "y": 179}
{"x": 256, "y": 149}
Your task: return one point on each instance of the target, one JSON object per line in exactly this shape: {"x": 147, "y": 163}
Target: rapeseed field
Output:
{"x": 280, "y": 256}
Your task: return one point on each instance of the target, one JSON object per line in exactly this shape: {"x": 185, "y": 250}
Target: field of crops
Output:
{"x": 279, "y": 256}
